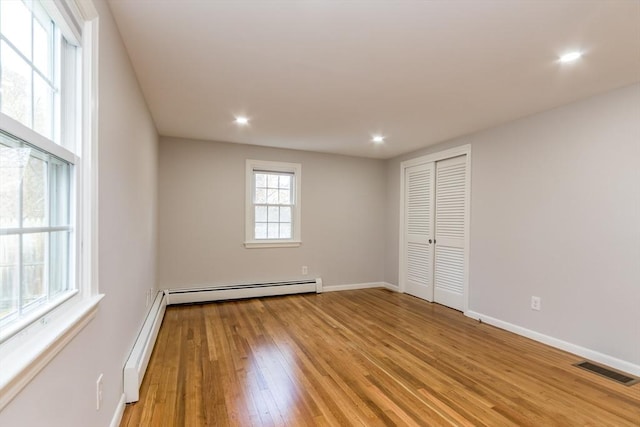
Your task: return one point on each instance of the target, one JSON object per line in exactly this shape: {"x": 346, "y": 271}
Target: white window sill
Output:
{"x": 26, "y": 354}
{"x": 254, "y": 244}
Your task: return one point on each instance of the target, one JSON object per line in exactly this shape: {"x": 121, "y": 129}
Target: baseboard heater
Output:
{"x": 138, "y": 360}
{"x": 239, "y": 291}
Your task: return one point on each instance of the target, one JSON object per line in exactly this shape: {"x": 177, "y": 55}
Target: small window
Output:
{"x": 273, "y": 204}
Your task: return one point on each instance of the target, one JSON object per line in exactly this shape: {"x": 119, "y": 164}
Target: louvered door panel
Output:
{"x": 450, "y": 213}
{"x": 450, "y": 198}
{"x": 418, "y": 260}
{"x": 419, "y": 217}
{"x": 450, "y": 269}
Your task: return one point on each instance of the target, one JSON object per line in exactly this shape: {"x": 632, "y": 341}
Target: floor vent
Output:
{"x": 608, "y": 373}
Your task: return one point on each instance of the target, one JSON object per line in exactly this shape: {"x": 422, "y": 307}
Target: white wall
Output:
{"x": 63, "y": 394}
{"x": 202, "y": 211}
{"x": 555, "y": 212}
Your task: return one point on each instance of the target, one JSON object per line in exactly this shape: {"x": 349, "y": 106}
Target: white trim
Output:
{"x": 88, "y": 233}
{"x": 30, "y": 136}
{"x": 87, "y": 9}
{"x": 391, "y": 286}
{"x": 23, "y": 362}
{"x": 434, "y": 157}
{"x": 440, "y": 155}
{"x": 272, "y": 244}
{"x": 296, "y": 170}
{"x": 587, "y": 353}
{"x": 24, "y": 322}
{"x": 119, "y": 412}
{"x": 67, "y": 18}
{"x": 355, "y": 286}
{"x": 30, "y": 230}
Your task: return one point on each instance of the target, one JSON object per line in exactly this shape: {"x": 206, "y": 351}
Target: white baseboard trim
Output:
{"x": 354, "y": 286}
{"x": 391, "y": 286}
{"x": 587, "y": 353}
{"x": 117, "y": 415}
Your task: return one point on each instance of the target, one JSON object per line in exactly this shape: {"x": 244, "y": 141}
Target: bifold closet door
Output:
{"x": 450, "y": 228}
{"x": 418, "y": 230}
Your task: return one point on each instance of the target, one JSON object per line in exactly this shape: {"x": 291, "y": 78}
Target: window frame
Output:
{"x": 296, "y": 207}
{"x": 24, "y": 354}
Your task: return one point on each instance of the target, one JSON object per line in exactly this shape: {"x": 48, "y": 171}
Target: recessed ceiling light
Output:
{"x": 241, "y": 120}
{"x": 571, "y": 56}
{"x": 377, "y": 139}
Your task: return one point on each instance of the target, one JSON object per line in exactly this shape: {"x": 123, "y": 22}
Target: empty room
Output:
{"x": 319, "y": 213}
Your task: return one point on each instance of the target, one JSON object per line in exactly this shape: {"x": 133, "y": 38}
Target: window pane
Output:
{"x": 285, "y": 230}
{"x": 272, "y": 181}
{"x": 59, "y": 188}
{"x": 34, "y": 253}
{"x": 261, "y": 230}
{"x": 59, "y": 263}
{"x": 42, "y": 107}
{"x": 9, "y": 276}
{"x": 42, "y": 37}
{"x": 272, "y": 196}
{"x": 261, "y": 195}
{"x": 285, "y": 214}
{"x": 16, "y": 85}
{"x": 284, "y": 197}
{"x": 34, "y": 194}
{"x": 285, "y": 181}
{"x": 274, "y": 216}
{"x": 261, "y": 214}
{"x": 12, "y": 165}
{"x": 16, "y": 25}
{"x": 272, "y": 231}
{"x": 261, "y": 180}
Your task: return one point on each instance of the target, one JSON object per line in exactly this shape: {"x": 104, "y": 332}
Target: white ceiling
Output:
{"x": 326, "y": 75}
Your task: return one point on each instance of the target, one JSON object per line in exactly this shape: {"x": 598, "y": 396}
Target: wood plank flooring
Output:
{"x": 367, "y": 357}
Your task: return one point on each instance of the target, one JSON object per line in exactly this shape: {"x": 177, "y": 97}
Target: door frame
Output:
{"x": 434, "y": 157}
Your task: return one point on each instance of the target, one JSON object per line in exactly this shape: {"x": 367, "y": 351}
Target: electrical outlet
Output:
{"x": 536, "y": 303}
{"x": 99, "y": 392}
{"x": 305, "y": 270}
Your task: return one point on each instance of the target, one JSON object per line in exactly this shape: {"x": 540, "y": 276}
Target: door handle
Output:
{"x": 429, "y": 241}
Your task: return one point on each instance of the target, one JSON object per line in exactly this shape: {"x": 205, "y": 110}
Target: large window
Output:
{"x": 48, "y": 165}
{"x": 273, "y": 204}
{"x": 39, "y": 158}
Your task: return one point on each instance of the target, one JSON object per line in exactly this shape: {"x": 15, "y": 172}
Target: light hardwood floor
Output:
{"x": 366, "y": 357}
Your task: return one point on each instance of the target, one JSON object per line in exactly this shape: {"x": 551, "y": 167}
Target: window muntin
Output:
{"x": 273, "y": 204}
